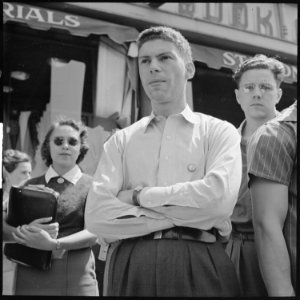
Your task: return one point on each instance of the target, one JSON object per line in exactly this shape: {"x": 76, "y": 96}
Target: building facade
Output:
{"x": 79, "y": 59}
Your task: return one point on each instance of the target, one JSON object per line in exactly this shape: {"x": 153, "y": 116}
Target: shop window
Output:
{"x": 29, "y": 54}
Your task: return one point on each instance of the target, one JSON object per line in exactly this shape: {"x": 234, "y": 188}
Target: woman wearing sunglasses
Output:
{"x": 72, "y": 269}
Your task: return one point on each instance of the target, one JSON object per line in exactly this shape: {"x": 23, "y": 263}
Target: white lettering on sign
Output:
{"x": 72, "y": 21}
{"x": 34, "y": 13}
{"x": 231, "y": 59}
{"x": 228, "y": 59}
{"x": 51, "y": 19}
{"x": 7, "y": 9}
{"x": 290, "y": 71}
{"x": 13, "y": 11}
{"x": 278, "y": 20}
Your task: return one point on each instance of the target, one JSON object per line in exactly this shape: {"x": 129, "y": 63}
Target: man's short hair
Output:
{"x": 260, "y": 61}
{"x": 167, "y": 34}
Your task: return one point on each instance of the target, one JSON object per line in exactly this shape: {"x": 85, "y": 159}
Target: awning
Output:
{"x": 218, "y": 58}
{"x": 44, "y": 19}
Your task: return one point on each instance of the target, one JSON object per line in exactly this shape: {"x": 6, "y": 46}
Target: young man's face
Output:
{"x": 258, "y": 94}
{"x": 163, "y": 71}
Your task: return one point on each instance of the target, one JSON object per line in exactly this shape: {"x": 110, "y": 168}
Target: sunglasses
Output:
{"x": 58, "y": 141}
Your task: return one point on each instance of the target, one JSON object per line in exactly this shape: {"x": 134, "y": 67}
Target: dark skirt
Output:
{"x": 171, "y": 268}
{"x": 244, "y": 257}
{"x": 72, "y": 275}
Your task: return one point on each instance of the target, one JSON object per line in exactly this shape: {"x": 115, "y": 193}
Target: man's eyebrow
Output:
{"x": 159, "y": 54}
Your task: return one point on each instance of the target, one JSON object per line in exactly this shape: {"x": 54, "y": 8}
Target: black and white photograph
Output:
{"x": 149, "y": 149}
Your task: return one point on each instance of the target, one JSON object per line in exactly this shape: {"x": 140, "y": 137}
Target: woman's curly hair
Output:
{"x": 12, "y": 158}
{"x": 78, "y": 126}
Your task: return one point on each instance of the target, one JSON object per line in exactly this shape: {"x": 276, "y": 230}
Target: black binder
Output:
{"x": 25, "y": 205}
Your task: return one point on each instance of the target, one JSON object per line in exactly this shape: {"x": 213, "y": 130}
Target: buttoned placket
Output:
{"x": 165, "y": 156}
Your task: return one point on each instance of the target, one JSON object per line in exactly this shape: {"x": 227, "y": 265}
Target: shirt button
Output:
{"x": 191, "y": 167}
{"x": 166, "y": 157}
{"x": 168, "y": 137}
{"x": 60, "y": 180}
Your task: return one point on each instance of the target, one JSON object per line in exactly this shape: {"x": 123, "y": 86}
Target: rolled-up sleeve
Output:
{"x": 271, "y": 154}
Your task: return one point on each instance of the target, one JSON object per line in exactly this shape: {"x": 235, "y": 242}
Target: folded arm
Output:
{"x": 221, "y": 181}
{"x": 109, "y": 217}
{"x": 208, "y": 201}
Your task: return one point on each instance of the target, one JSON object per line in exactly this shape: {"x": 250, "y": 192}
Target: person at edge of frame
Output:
{"x": 17, "y": 168}
{"x": 272, "y": 171}
{"x": 258, "y": 91}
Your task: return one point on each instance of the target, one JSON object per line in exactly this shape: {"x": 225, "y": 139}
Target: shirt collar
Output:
{"x": 150, "y": 118}
{"x": 241, "y": 127}
{"x": 73, "y": 175}
{"x": 289, "y": 114}
{"x": 190, "y": 116}
{"x": 187, "y": 113}
{"x": 243, "y": 124}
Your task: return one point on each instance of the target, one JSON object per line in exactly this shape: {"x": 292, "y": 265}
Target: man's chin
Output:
{"x": 157, "y": 96}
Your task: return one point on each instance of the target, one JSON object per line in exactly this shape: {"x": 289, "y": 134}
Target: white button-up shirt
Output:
{"x": 189, "y": 165}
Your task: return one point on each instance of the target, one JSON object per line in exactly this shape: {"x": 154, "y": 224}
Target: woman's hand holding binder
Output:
{"x": 34, "y": 237}
{"x": 51, "y": 228}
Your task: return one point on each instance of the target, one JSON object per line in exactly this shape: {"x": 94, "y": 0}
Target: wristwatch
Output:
{"x": 136, "y": 195}
{"x": 57, "y": 245}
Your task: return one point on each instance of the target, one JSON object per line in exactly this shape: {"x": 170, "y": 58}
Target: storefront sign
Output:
{"x": 277, "y": 20}
{"x": 44, "y": 19}
{"x": 217, "y": 58}
{"x": 232, "y": 60}
{"x": 29, "y": 13}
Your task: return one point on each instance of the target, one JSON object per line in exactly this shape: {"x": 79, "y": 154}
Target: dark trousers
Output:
{"x": 172, "y": 268}
{"x": 241, "y": 250}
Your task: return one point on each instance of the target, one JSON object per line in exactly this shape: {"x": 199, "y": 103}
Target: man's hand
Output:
{"x": 126, "y": 196}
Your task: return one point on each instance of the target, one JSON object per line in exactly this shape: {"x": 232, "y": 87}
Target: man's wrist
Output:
{"x": 136, "y": 196}
{"x": 58, "y": 245}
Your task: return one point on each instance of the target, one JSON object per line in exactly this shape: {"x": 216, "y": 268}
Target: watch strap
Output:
{"x": 135, "y": 196}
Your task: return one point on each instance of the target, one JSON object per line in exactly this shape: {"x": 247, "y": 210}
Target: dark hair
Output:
{"x": 77, "y": 125}
{"x": 167, "y": 34}
{"x": 12, "y": 158}
{"x": 260, "y": 61}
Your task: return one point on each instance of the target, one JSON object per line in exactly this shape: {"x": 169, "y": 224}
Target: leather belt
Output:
{"x": 244, "y": 236}
{"x": 183, "y": 233}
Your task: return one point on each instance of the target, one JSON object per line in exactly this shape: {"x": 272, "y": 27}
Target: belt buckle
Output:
{"x": 157, "y": 235}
